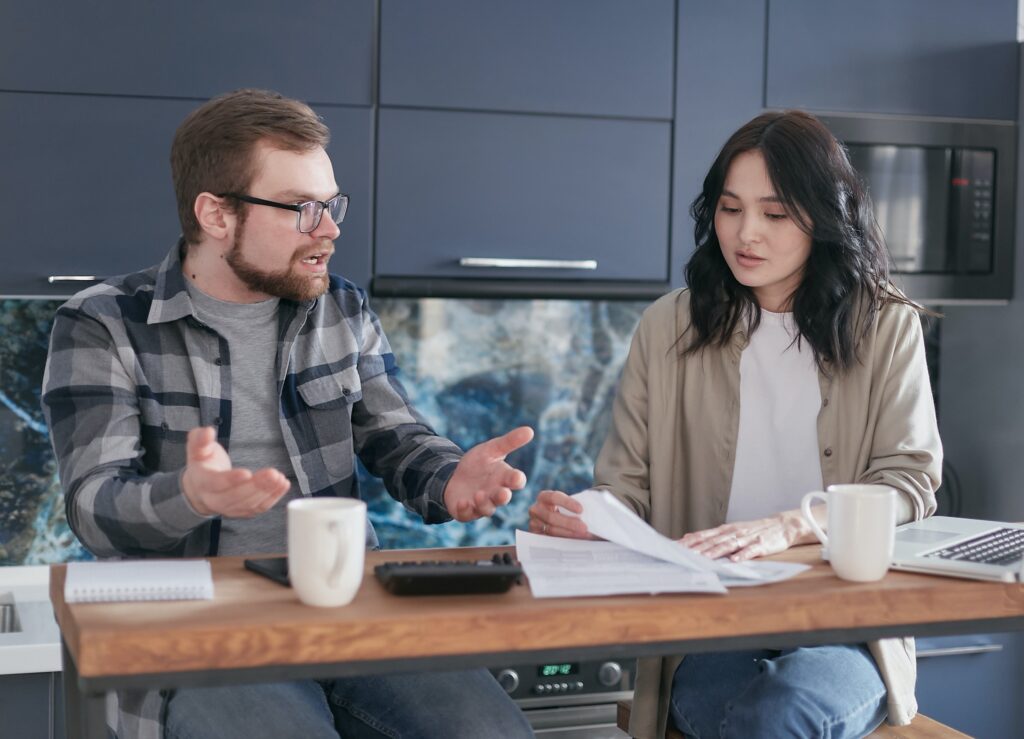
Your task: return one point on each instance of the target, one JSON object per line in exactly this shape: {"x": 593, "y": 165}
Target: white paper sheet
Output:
{"x": 559, "y": 568}
{"x": 768, "y": 572}
{"x": 634, "y": 558}
{"x": 608, "y": 517}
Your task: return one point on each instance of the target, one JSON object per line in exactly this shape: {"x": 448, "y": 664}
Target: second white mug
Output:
{"x": 861, "y": 529}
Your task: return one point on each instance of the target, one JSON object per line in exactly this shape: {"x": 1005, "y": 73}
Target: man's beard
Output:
{"x": 285, "y": 284}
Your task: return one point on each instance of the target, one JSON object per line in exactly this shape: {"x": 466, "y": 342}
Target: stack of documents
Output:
{"x": 634, "y": 558}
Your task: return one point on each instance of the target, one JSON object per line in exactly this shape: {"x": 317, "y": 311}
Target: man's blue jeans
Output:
{"x": 438, "y": 705}
{"x": 833, "y": 691}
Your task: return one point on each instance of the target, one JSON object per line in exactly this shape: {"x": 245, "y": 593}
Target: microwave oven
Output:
{"x": 943, "y": 195}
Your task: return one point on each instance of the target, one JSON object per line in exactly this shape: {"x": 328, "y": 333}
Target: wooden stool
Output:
{"x": 921, "y": 727}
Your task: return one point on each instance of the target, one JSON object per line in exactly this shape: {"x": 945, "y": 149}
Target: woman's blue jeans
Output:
{"x": 830, "y": 692}
{"x": 437, "y": 705}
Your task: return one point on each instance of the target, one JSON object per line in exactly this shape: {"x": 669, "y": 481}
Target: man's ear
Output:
{"x": 213, "y": 216}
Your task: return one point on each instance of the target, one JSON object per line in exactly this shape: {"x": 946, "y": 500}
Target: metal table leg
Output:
{"x": 85, "y": 714}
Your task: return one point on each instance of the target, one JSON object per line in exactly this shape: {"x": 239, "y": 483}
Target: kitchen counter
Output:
{"x": 35, "y": 644}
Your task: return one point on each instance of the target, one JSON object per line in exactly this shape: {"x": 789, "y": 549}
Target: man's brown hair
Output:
{"x": 213, "y": 147}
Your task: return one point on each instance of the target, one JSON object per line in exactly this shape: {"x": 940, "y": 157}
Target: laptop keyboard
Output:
{"x": 1000, "y": 547}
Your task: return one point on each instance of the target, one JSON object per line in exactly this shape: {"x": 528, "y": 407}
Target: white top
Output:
{"x": 777, "y": 445}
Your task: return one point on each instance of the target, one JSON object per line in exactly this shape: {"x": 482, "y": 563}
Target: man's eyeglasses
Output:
{"x": 309, "y": 213}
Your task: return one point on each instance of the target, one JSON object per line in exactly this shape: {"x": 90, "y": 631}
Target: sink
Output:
{"x": 29, "y": 637}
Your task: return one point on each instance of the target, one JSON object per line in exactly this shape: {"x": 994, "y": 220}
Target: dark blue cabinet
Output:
{"x": 32, "y": 705}
{"x": 453, "y": 186}
{"x": 315, "y": 50}
{"x": 587, "y": 57}
{"x": 87, "y": 189}
{"x": 93, "y": 192}
{"x": 917, "y": 57}
{"x": 712, "y": 99}
{"x": 577, "y": 130}
{"x": 972, "y": 683}
{"x": 351, "y": 151}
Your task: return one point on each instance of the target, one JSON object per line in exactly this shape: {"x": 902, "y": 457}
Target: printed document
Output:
{"x": 634, "y": 558}
{"x": 559, "y": 568}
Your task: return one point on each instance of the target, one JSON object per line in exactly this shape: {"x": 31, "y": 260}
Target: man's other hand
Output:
{"x": 214, "y": 488}
{"x": 483, "y": 481}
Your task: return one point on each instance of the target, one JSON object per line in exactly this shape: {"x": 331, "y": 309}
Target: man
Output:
{"x": 241, "y": 341}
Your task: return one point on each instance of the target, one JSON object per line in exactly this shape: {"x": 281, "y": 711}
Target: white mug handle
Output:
{"x": 334, "y": 576}
{"x": 805, "y": 508}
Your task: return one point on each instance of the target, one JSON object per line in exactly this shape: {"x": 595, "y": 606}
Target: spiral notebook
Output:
{"x": 147, "y": 579}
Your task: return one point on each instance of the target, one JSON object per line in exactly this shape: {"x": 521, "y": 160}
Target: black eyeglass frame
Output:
{"x": 324, "y": 206}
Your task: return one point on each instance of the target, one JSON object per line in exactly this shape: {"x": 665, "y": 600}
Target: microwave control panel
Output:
{"x": 972, "y": 207}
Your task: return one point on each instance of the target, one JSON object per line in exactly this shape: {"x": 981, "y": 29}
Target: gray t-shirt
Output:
{"x": 256, "y": 438}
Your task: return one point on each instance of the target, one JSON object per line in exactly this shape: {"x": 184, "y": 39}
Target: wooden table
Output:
{"x": 255, "y": 630}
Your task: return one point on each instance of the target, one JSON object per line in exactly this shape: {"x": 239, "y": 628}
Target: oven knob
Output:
{"x": 509, "y": 680}
{"x": 609, "y": 674}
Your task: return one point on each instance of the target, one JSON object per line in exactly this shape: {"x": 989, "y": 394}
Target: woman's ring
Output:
{"x": 544, "y": 529}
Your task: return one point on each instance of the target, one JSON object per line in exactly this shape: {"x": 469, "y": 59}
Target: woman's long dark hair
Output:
{"x": 846, "y": 277}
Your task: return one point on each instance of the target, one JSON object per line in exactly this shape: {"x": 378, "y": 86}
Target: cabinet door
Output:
{"x": 460, "y": 185}
{"x": 590, "y": 57}
{"x": 918, "y": 57}
{"x": 712, "y": 99}
{"x": 27, "y": 704}
{"x": 972, "y": 683}
{"x": 317, "y": 50}
{"x": 351, "y": 151}
{"x": 87, "y": 187}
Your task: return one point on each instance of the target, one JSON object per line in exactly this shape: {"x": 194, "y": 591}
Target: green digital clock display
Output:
{"x": 566, "y": 668}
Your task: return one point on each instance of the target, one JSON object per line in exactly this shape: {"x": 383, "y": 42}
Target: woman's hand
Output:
{"x": 749, "y": 539}
{"x": 545, "y": 518}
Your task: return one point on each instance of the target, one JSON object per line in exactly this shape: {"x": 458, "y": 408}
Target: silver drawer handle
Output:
{"x": 73, "y": 278}
{"x": 507, "y": 263}
{"x": 950, "y": 651}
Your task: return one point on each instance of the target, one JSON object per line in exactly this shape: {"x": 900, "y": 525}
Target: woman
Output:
{"x": 790, "y": 363}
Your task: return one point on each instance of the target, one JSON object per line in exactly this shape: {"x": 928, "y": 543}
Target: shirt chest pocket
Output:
{"x": 329, "y": 402}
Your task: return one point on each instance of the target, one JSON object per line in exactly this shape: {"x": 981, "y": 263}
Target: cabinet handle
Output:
{"x": 52, "y": 279}
{"x": 950, "y": 651}
{"x": 509, "y": 263}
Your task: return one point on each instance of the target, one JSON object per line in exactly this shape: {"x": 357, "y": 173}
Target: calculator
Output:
{"x": 495, "y": 575}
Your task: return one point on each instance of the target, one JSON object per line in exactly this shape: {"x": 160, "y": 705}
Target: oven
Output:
{"x": 570, "y": 700}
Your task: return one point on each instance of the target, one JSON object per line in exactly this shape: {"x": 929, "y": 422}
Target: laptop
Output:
{"x": 961, "y": 547}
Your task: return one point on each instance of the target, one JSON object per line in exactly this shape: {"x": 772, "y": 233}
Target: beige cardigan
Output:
{"x": 672, "y": 447}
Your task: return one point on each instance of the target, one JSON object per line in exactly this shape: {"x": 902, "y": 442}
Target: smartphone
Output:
{"x": 276, "y": 568}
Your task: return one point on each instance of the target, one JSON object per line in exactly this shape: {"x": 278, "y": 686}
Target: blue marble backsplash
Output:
{"x": 474, "y": 368}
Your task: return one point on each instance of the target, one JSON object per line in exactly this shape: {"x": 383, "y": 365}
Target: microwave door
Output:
{"x": 909, "y": 190}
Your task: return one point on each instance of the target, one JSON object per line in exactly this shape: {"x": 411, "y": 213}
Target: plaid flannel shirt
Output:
{"x": 131, "y": 370}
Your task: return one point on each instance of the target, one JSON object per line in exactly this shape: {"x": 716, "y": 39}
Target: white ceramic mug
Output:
{"x": 326, "y": 549}
{"x": 861, "y": 529}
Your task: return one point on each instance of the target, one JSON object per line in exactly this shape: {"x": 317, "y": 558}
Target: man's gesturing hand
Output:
{"x": 214, "y": 488}
{"x": 483, "y": 481}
